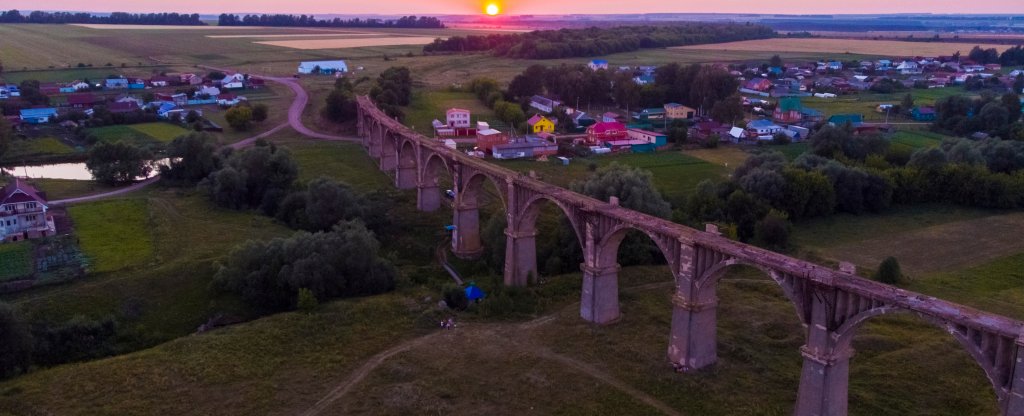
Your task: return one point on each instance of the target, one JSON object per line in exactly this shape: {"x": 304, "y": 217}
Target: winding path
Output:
{"x": 346, "y": 385}
{"x": 295, "y": 111}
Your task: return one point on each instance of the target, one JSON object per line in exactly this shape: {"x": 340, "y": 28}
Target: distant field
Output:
{"x": 294, "y": 35}
{"x": 871, "y": 47}
{"x": 161, "y": 27}
{"x": 349, "y": 43}
{"x": 145, "y": 132}
{"x": 15, "y": 260}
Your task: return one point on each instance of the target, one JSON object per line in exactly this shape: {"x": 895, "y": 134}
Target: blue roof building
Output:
{"x": 113, "y": 83}
{"x": 38, "y": 115}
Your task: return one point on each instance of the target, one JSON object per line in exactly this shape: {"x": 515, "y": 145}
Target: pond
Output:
{"x": 75, "y": 171}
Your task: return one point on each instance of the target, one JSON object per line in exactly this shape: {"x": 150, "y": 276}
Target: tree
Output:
{"x": 5, "y": 136}
{"x": 907, "y": 105}
{"x": 1011, "y": 101}
{"x": 118, "y": 163}
{"x": 15, "y": 343}
{"x": 632, "y": 186}
{"x": 239, "y": 117}
{"x": 510, "y": 113}
{"x": 341, "y": 106}
{"x": 889, "y": 271}
{"x": 260, "y": 112}
{"x": 193, "y": 157}
{"x": 322, "y": 205}
{"x": 342, "y": 262}
{"x": 775, "y": 61}
{"x": 1018, "y": 84}
{"x": 773, "y": 230}
{"x": 928, "y": 159}
{"x": 728, "y": 110}
{"x": 255, "y": 177}
{"x": 307, "y": 301}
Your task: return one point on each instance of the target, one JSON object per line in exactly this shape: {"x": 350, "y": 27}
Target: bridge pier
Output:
{"x": 520, "y": 257}
{"x": 825, "y": 378}
{"x": 1013, "y": 402}
{"x": 466, "y": 236}
{"x": 693, "y": 338}
{"x": 600, "y": 300}
{"x": 376, "y": 138}
{"x": 428, "y": 197}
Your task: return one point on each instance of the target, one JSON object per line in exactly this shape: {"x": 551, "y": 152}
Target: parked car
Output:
{"x": 449, "y": 193}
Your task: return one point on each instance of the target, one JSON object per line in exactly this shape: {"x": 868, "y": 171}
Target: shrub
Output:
{"x": 889, "y": 271}
{"x": 773, "y": 230}
{"x": 455, "y": 298}
{"x": 15, "y": 343}
{"x": 307, "y": 302}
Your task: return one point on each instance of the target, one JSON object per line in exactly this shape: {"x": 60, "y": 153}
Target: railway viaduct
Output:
{"x": 831, "y": 304}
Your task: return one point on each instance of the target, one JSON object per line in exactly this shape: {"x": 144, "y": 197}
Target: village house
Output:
{"x": 541, "y": 124}
{"x": 115, "y": 83}
{"x": 458, "y": 118}
{"x": 543, "y": 104}
{"x": 676, "y": 111}
{"x": 38, "y": 115}
{"x": 923, "y": 113}
{"x": 597, "y": 64}
{"x": 763, "y": 128}
{"x": 161, "y": 81}
{"x": 208, "y": 90}
{"x": 233, "y": 81}
{"x": 652, "y": 140}
{"x": 176, "y": 99}
{"x": 191, "y": 79}
{"x": 23, "y": 212}
{"x": 229, "y": 100}
{"x": 322, "y": 67}
{"x": 758, "y": 84}
{"x": 122, "y": 107}
{"x": 788, "y": 111}
{"x": 13, "y": 90}
{"x": 136, "y": 84}
{"x": 649, "y": 114}
{"x": 606, "y": 131}
{"x": 487, "y": 138}
{"x": 529, "y": 146}
{"x": 83, "y": 100}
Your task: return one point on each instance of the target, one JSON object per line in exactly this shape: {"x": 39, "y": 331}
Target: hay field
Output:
{"x": 857, "y": 46}
{"x": 294, "y": 35}
{"x": 160, "y": 27}
{"x": 348, "y": 43}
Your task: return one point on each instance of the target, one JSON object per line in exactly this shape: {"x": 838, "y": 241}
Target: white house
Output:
{"x": 909, "y": 67}
{"x": 229, "y": 100}
{"x": 322, "y": 67}
{"x": 458, "y": 118}
{"x": 598, "y": 64}
{"x": 79, "y": 85}
{"x": 208, "y": 90}
{"x": 233, "y": 81}
{"x": 23, "y": 213}
{"x": 544, "y": 104}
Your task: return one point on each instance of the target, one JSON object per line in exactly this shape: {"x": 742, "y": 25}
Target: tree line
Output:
{"x": 997, "y": 116}
{"x": 303, "y": 20}
{"x": 115, "y": 18}
{"x": 594, "y": 41}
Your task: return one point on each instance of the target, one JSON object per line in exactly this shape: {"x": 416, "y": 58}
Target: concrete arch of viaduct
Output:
{"x": 831, "y": 304}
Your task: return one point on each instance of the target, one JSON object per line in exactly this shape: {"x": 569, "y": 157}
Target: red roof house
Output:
{"x": 606, "y": 131}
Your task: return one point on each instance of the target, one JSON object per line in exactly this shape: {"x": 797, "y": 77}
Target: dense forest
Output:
{"x": 311, "y": 21}
{"x": 564, "y": 43}
{"x": 116, "y": 18}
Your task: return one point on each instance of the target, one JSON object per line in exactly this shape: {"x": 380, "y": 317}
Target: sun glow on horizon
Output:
{"x": 492, "y": 9}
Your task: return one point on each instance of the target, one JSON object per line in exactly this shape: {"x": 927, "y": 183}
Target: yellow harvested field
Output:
{"x": 162, "y": 27}
{"x": 349, "y": 43}
{"x": 296, "y": 35}
{"x": 858, "y": 46}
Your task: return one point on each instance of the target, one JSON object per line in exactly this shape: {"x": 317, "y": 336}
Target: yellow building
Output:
{"x": 541, "y": 124}
{"x": 679, "y": 112}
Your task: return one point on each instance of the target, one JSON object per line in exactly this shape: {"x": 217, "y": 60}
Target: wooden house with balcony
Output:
{"x": 23, "y": 213}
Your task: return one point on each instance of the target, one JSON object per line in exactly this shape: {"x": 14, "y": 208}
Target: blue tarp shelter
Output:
{"x": 474, "y": 293}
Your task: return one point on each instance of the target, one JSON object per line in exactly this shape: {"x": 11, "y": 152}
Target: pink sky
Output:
{"x": 526, "y": 6}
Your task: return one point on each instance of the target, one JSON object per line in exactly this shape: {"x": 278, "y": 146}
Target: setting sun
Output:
{"x": 492, "y": 9}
